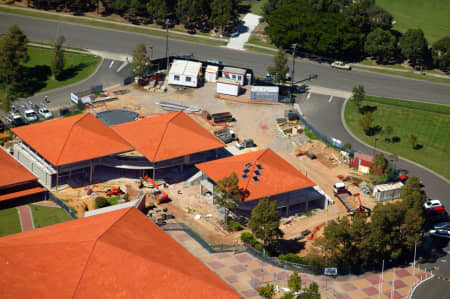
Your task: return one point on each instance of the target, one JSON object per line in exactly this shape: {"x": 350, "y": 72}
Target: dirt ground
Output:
{"x": 256, "y": 121}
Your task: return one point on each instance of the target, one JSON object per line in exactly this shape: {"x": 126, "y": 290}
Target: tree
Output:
{"x": 265, "y": 222}
{"x": 141, "y": 62}
{"x": 267, "y": 292}
{"x": 413, "y": 140}
{"x": 412, "y": 194}
{"x": 358, "y": 95}
{"x": 280, "y": 67}
{"x": 157, "y": 10}
{"x": 414, "y": 47}
{"x": 295, "y": 282}
{"x": 441, "y": 53}
{"x": 224, "y": 14}
{"x": 227, "y": 193}
{"x": 288, "y": 295}
{"x": 366, "y": 123}
{"x": 57, "y": 65}
{"x": 13, "y": 52}
{"x": 379, "y": 18}
{"x": 381, "y": 167}
{"x": 380, "y": 44}
{"x": 312, "y": 292}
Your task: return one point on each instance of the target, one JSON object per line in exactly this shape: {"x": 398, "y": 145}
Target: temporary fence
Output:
{"x": 62, "y": 204}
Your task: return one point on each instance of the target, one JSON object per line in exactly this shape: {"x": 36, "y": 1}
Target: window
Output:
{"x": 233, "y": 77}
{"x": 239, "y": 78}
{"x": 176, "y": 78}
{"x": 188, "y": 79}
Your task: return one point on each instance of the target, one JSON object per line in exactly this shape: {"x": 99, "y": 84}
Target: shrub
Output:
{"x": 126, "y": 196}
{"x": 101, "y": 202}
{"x": 113, "y": 200}
{"x": 233, "y": 225}
{"x": 293, "y": 258}
{"x": 247, "y": 237}
{"x": 259, "y": 246}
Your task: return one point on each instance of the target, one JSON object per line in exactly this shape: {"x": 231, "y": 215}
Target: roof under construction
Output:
{"x": 168, "y": 136}
{"x": 72, "y": 139}
{"x": 261, "y": 174}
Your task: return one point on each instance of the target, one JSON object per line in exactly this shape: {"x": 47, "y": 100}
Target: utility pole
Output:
{"x": 293, "y": 65}
{"x": 167, "y": 44}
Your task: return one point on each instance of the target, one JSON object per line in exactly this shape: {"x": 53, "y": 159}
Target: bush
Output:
{"x": 101, "y": 202}
{"x": 233, "y": 225}
{"x": 293, "y": 258}
{"x": 113, "y": 200}
{"x": 259, "y": 246}
{"x": 247, "y": 237}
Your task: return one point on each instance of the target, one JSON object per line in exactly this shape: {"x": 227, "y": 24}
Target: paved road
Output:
{"x": 324, "y": 113}
{"x": 124, "y": 42}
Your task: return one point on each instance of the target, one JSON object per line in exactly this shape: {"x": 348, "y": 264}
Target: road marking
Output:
{"x": 122, "y": 66}
{"x": 112, "y": 62}
{"x": 308, "y": 96}
{"x": 331, "y": 98}
{"x": 443, "y": 261}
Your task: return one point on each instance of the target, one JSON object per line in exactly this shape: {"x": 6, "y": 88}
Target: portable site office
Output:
{"x": 265, "y": 93}
{"x": 234, "y": 74}
{"x": 185, "y": 73}
{"x": 228, "y": 86}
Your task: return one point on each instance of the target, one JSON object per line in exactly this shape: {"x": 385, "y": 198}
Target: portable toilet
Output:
{"x": 211, "y": 73}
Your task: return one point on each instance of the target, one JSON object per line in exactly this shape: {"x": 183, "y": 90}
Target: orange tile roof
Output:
{"x": 121, "y": 254}
{"x": 276, "y": 176}
{"x": 12, "y": 172}
{"x": 21, "y": 193}
{"x": 168, "y": 136}
{"x": 72, "y": 139}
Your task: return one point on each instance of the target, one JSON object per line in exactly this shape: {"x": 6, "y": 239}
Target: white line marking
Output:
{"x": 308, "y": 96}
{"x": 112, "y": 62}
{"x": 122, "y": 66}
{"x": 331, "y": 98}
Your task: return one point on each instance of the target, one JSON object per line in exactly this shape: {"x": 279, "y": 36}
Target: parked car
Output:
{"x": 341, "y": 65}
{"x": 441, "y": 225}
{"x": 45, "y": 113}
{"x": 235, "y": 34}
{"x": 30, "y": 115}
{"x": 432, "y": 203}
{"x": 215, "y": 61}
{"x": 16, "y": 120}
{"x": 443, "y": 231}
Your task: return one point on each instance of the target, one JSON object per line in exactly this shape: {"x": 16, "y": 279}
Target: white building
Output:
{"x": 234, "y": 73}
{"x": 228, "y": 87}
{"x": 386, "y": 192}
{"x": 211, "y": 73}
{"x": 185, "y": 73}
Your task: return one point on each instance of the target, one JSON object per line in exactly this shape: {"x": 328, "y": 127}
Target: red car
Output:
{"x": 434, "y": 211}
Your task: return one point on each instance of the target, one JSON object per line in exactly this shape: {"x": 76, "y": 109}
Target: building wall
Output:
{"x": 182, "y": 80}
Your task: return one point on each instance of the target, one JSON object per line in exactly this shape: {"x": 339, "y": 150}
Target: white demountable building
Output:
{"x": 211, "y": 73}
{"x": 234, "y": 73}
{"x": 264, "y": 93}
{"x": 386, "y": 192}
{"x": 185, "y": 73}
{"x": 228, "y": 86}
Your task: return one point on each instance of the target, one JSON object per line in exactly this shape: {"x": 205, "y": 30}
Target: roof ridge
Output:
{"x": 92, "y": 251}
{"x": 67, "y": 138}
{"x": 164, "y": 134}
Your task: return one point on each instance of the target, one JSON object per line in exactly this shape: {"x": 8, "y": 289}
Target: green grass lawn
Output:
{"x": 432, "y": 16}
{"x": 256, "y": 6}
{"x": 429, "y": 122}
{"x": 37, "y": 75}
{"x": 45, "y": 216}
{"x": 9, "y": 222}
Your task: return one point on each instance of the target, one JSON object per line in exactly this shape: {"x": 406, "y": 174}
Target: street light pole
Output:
{"x": 167, "y": 43}
{"x": 293, "y": 65}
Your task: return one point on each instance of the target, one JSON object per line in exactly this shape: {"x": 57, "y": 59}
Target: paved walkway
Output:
{"x": 26, "y": 218}
{"x": 243, "y": 271}
{"x": 250, "y": 21}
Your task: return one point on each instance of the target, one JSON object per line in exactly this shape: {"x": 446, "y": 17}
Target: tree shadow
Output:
{"x": 72, "y": 71}
{"x": 396, "y": 139}
{"x": 366, "y": 108}
{"x": 374, "y": 130}
{"x": 291, "y": 246}
{"x": 244, "y": 8}
{"x": 32, "y": 80}
{"x": 418, "y": 146}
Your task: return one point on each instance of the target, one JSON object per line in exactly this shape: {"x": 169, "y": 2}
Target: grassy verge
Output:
{"x": 64, "y": 47}
{"x": 398, "y": 66}
{"x": 256, "y": 7}
{"x": 260, "y": 50}
{"x": 255, "y": 40}
{"x": 119, "y": 27}
{"x": 9, "y": 222}
{"x": 408, "y": 75}
{"x": 37, "y": 74}
{"x": 429, "y": 122}
{"x": 430, "y": 15}
{"x": 45, "y": 216}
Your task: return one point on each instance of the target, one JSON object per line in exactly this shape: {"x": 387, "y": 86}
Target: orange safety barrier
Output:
{"x": 230, "y": 98}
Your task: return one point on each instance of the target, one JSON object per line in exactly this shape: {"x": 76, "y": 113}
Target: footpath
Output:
{"x": 244, "y": 273}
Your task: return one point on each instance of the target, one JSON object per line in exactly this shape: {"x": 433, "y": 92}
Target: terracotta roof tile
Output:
{"x": 21, "y": 193}
{"x": 276, "y": 175}
{"x": 72, "y": 139}
{"x": 12, "y": 172}
{"x": 169, "y": 136}
{"x": 121, "y": 254}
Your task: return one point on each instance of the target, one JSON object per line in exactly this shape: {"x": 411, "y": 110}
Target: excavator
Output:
{"x": 161, "y": 196}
